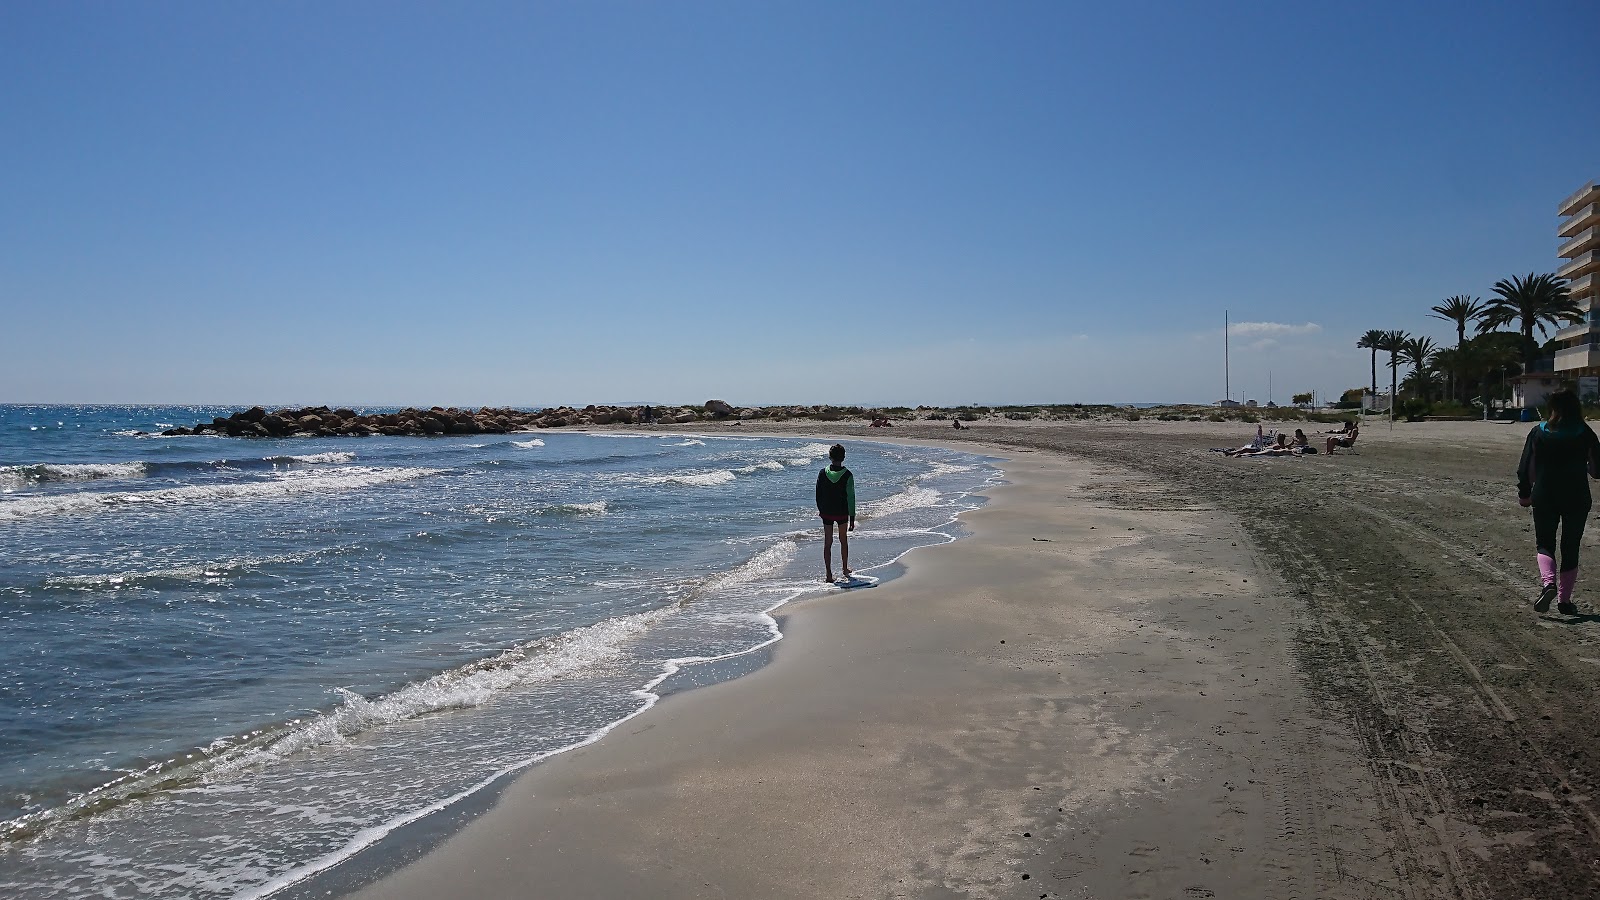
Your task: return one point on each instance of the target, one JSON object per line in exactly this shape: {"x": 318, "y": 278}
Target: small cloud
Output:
{"x": 1272, "y": 329}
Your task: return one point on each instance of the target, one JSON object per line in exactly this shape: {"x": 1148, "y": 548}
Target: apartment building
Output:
{"x": 1578, "y": 347}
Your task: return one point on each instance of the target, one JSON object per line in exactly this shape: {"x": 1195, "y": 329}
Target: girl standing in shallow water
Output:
{"x": 1558, "y": 459}
{"x": 836, "y": 504}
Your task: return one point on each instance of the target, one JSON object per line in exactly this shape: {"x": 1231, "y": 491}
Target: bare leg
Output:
{"x": 827, "y": 546}
{"x": 844, "y": 548}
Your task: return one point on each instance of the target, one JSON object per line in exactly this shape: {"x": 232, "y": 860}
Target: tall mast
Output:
{"x": 1227, "y": 386}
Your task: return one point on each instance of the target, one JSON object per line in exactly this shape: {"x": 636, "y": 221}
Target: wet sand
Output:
{"x": 1096, "y": 694}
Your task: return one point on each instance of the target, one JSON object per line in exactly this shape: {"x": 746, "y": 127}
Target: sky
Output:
{"x": 827, "y": 202}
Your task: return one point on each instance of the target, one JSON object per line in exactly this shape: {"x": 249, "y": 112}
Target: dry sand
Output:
{"x": 1150, "y": 672}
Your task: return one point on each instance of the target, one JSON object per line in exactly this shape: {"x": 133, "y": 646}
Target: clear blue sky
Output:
{"x": 539, "y": 203}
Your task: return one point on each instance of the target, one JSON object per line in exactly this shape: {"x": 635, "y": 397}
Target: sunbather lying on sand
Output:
{"x": 1281, "y": 447}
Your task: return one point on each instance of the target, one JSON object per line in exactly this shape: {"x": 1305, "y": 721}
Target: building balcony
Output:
{"x": 1579, "y": 357}
{"x": 1585, "y": 240}
{"x": 1582, "y": 264}
{"x": 1589, "y": 193}
{"x": 1577, "y": 330}
{"x": 1583, "y": 217}
{"x": 1582, "y": 288}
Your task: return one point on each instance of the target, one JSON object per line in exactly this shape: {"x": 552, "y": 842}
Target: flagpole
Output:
{"x": 1227, "y": 383}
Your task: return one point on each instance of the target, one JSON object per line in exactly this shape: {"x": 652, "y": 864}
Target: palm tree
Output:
{"x": 1370, "y": 341}
{"x": 1457, "y": 361}
{"x": 1393, "y": 343}
{"x": 1459, "y": 309}
{"x": 1416, "y": 352}
{"x": 1536, "y": 301}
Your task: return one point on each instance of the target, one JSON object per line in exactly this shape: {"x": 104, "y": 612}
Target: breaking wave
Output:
{"x": 284, "y": 484}
{"x": 14, "y": 477}
{"x": 688, "y": 479}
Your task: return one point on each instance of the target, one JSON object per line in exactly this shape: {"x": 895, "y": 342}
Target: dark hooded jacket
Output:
{"x": 1557, "y": 464}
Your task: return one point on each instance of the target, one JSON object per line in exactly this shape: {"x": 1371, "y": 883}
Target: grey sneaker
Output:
{"x": 1567, "y": 608}
{"x": 1546, "y": 597}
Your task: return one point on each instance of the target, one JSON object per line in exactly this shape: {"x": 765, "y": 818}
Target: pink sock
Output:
{"x": 1568, "y": 579}
{"x": 1547, "y": 568}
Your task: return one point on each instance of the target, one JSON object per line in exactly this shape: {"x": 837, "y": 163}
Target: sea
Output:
{"x": 231, "y": 664}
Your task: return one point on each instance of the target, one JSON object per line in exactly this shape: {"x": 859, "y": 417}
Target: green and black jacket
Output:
{"x": 836, "y": 493}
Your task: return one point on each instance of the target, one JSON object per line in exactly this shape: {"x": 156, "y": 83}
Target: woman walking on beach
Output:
{"x": 836, "y": 504}
{"x": 1558, "y": 459}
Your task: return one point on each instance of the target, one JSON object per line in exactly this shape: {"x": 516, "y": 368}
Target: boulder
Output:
{"x": 253, "y": 414}
{"x": 719, "y": 408}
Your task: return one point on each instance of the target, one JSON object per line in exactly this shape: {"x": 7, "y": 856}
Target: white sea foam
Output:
{"x": 282, "y": 484}
{"x": 334, "y": 456}
{"x": 914, "y": 497}
{"x": 942, "y": 468}
{"x": 14, "y": 477}
{"x": 596, "y": 508}
{"x": 528, "y": 445}
{"x": 195, "y": 572}
{"x": 688, "y": 479}
{"x": 770, "y": 465}
{"x": 763, "y": 565}
{"x": 689, "y": 443}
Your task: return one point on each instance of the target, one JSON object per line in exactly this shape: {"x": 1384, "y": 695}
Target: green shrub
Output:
{"x": 1452, "y": 408}
{"x": 1250, "y": 417}
{"x": 1216, "y": 417}
{"x": 1413, "y": 410}
{"x": 1132, "y": 416}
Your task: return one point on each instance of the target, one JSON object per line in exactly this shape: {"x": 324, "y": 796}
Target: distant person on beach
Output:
{"x": 836, "y": 504}
{"x": 956, "y": 424}
{"x": 1347, "y": 441}
{"x": 1559, "y": 457}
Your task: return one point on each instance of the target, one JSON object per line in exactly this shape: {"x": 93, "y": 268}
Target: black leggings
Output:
{"x": 1571, "y": 519}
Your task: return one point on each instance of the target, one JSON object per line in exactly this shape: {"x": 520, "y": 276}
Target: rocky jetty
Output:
{"x": 321, "y": 421}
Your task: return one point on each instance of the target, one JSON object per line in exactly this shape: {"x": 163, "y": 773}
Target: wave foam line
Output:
{"x": 528, "y": 445}
{"x": 596, "y": 508}
{"x": 284, "y": 485}
{"x": 191, "y": 573}
{"x": 334, "y": 456}
{"x": 688, "y": 479}
{"x": 13, "y": 477}
{"x": 914, "y": 497}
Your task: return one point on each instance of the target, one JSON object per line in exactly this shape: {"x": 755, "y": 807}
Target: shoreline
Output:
{"x": 921, "y": 674}
{"x": 383, "y": 850}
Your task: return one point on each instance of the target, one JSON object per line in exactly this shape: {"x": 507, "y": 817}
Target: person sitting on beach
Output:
{"x": 836, "y": 504}
{"x": 1345, "y": 427}
{"x": 956, "y": 424}
{"x": 1349, "y": 440}
{"x": 1300, "y": 439}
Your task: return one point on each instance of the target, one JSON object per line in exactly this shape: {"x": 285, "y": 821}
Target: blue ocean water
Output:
{"x": 231, "y": 663}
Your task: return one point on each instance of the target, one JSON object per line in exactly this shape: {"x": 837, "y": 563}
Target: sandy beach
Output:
{"x": 1149, "y": 672}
